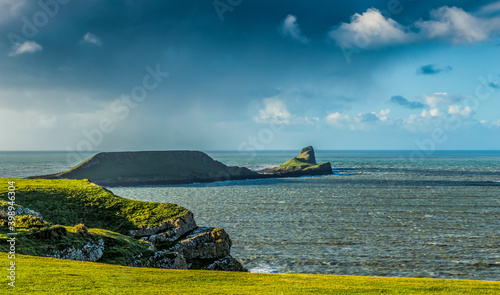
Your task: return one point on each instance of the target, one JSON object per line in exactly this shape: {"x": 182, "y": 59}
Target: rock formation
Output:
{"x": 304, "y": 164}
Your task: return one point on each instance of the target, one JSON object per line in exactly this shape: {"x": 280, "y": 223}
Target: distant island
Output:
{"x": 304, "y": 164}
{"x": 179, "y": 167}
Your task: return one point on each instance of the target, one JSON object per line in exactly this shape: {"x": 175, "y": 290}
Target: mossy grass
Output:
{"x": 71, "y": 202}
{"x": 297, "y": 164}
{"x": 40, "y": 275}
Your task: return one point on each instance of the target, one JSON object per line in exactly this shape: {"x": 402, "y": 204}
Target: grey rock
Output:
{"x": 89, "y": 252}
{"x": 163, "y": 259}
{"x": 204, "y": 243}
{"x": 227, "y": 263}
{"x": 169, "y": 230}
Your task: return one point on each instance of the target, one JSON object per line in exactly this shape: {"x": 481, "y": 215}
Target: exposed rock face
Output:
{"x": 191, "y": 247}
{"x": 307, "y": 154}
{"x": 169, "y": 230}
{"x": 227, "y": 263}
{"x": 163, "y": 259}
{"x": 89, "y": 252}
{"x": 304, "y": 164}
{"x": 152, "y": 167}
{"x": 204, "y": 243}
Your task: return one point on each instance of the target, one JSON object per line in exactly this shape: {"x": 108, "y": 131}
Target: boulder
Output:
{"x": 204, "y": 243}
{"x": 164, "y": 259}
{"x": 92, "y": 251}
{"x": 169, "y": 230}
{"x": 227, "y": 263}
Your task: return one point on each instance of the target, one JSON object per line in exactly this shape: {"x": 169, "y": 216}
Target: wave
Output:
{"x": 263, "y": 268}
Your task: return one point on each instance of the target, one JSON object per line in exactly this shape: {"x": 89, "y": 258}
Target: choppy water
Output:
{"x": 380, "y": 215}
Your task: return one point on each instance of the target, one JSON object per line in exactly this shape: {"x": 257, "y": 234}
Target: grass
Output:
{"x": 298, "y": 164}
{"x": 70, "y": 202}
{"x": 39, "y": 275}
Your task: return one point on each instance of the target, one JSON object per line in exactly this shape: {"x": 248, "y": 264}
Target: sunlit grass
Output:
{"x": 39, "y": 275}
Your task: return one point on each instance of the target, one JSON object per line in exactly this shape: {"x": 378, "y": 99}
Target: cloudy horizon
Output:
{"x": 246, "y": 75}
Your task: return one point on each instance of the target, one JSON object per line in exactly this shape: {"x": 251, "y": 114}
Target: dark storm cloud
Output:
{"x": 209, "y": 59}
{"x": 432, "y": 69}
{"x": 399, "y": 100}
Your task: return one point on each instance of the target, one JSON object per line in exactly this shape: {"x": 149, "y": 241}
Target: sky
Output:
{"x": 249, "y": 75}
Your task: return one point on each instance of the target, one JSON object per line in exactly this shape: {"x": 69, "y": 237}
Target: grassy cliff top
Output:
{"x": 71, "y": 202}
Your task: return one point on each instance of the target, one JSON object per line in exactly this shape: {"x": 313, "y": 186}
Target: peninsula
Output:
{"x": 179, "y": 167}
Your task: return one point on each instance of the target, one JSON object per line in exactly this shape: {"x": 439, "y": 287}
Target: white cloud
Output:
{"x": 445, "y": 111}
{"x": 369, "y": 29}
{"x": 290, "y": 28}
{"x": 90, "y": 38}
{"x": 312, "y": 121}
{"x": 274, "y": 111}
{"x": 25, "y": 47}
{"x": 447, "y": 24}
{"x": 338, "y": 120}
{"x": 454, "y": 25}
{"x": 489, "y": 9}
{"x": 360, "y": 121}
{"x": 465, "y": 112}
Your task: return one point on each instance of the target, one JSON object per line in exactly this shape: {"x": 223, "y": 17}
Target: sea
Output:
{"x": 382, "y": 213}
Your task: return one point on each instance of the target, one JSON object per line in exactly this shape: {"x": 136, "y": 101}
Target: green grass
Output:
{"x": 297, "y": 164}
{"x": 70, "y": 202}
{"x": 39, "y": 275}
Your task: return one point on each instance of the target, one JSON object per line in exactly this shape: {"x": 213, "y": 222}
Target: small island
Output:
{"x": 304, "y": 164}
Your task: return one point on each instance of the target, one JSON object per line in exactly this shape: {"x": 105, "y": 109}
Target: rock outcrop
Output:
{"x": 204, "y": 243}
{"x": 304, "y": 164}
{"x": 227, "y": 263}
{"x": 92, "y": 251}
{"x": 169, "y": 230}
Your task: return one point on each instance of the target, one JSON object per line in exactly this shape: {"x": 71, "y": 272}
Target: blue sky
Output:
{"x": 249, "y": 75}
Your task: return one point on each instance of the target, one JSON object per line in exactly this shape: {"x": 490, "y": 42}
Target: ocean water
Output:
{"x": 381, "y": 214}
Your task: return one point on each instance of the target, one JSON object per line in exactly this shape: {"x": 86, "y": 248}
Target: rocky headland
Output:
{"x": 78, "y": 220}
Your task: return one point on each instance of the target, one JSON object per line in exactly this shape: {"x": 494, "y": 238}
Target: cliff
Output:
{"x": 304, "y": 164}
{"x": 78, "y": 220}
{"x": 160, "y": 167}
